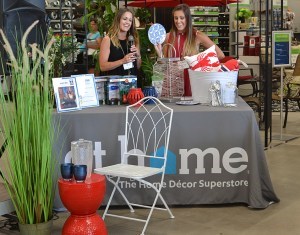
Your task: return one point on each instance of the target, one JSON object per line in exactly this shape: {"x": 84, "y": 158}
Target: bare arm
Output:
{"x": 105, "y": 65}
{"x": 207, "y": 43}
{"x": 95, "y": 44}
{"x": 159, "y": 47}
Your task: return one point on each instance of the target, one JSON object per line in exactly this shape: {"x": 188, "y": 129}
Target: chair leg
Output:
{"x": 254, "y": 88}
{"x": 158, "y": 194}
{"x": 286, "y": 112}
{"x": 111, "y": 196}
{"x": 116, "y": 186}
{"x": 158, "y": 190}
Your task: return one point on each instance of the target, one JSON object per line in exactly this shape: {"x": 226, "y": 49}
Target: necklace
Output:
{"x": 122, "y": 42}
{"x": 122, "y": 47}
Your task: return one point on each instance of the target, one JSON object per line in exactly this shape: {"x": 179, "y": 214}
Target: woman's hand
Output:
{"x": 158, "y": 49}
{"x": 130, "y": 57}
{"x": 135, "y": 51}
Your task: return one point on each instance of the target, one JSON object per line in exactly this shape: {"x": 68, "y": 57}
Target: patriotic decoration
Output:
{"x": 206, "y": 61}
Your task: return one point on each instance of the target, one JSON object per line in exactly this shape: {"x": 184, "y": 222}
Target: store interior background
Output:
{"x": 282, "y": 160}
{"x": 162, "y": 15}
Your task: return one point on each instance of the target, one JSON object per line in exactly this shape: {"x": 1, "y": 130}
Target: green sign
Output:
{"x": 281, "y": 48}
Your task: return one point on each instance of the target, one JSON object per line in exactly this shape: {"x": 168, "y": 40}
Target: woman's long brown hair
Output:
{"x": 115, "y": 28}
{"x": 189, "y": 47}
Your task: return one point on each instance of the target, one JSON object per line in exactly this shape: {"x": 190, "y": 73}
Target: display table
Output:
{"x": 83, "y": 200}
{"x": 215, "y": 153}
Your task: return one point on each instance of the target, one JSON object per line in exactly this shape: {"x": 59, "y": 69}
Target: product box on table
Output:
{"x": 117, "y": 88}
{"x": 100, "y": 87}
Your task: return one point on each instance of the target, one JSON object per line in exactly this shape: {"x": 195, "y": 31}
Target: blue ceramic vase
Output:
{"x": 80, "y": 172}
{"x": 150, "y": 91}
{"x": 66, "y": 170}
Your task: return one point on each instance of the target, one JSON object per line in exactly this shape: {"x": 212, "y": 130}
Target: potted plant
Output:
{"x": 103, "y": 10}
{"x": 243, "y": 14}
{"x": 64, "y": 51}
{"x": 143, "y": 15}
{"x": 29, "y": 130}
{"x": 148, "y": 56}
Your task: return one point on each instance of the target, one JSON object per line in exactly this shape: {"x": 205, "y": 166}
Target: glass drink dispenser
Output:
{"x": 82, "y": 154}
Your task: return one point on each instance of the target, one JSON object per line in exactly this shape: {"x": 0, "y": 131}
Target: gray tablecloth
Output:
{"x": 215, "y": 153}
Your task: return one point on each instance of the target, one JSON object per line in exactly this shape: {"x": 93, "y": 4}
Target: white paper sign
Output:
{"x": 87, "y": 92}
{"x": 128, "y": 66}
{"x": 66, "y": 94}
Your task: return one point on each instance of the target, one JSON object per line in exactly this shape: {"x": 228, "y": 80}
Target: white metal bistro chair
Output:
{"x": 147, "y": 132}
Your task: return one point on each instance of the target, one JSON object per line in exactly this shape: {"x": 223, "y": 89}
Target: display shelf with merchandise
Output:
{"x": 61, "y": 18}
{"x": 214, "y": 24}
{"x": 64, "y": 16}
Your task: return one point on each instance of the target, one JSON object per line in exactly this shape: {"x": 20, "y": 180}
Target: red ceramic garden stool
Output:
{"x": 83, "y": 199}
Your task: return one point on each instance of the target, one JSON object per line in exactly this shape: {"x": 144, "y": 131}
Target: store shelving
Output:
{"x": 214, "y": 24}
{"x": 64, "y": 17}
{"x": 61, "y": 16}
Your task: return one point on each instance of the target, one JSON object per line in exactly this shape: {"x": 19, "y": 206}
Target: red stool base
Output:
{"x": 84, "y": 225}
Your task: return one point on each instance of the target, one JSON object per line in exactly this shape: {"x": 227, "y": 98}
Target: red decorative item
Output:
{"x": 83, "y": 200}
{"x": 230, "y": 65}
{"x": 246, "y": 45}
{"x": 206, "y": 61}
{"x": 134, "y": 95}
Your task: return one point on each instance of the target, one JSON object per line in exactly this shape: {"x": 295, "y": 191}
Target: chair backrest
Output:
{"x": 297, "y": 67}
{"x": 147, "y": 133}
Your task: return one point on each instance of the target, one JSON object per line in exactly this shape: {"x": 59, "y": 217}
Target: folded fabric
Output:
{"x": 230, "y": 65}
{"x": 206, "y": 61}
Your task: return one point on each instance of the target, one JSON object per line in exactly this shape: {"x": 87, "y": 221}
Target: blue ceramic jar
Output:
{"x": 80, "y": 172}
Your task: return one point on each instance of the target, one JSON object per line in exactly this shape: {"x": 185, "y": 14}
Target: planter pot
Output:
{"x": 150, "y": 91}
{"x": 36, "y": 229}
{"x": 134, "y": 95}
{"x": 244, "y": 26}
{"x": 236, "y": 24}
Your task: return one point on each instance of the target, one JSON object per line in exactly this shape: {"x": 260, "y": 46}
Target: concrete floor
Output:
{"x": 278, "y": 219}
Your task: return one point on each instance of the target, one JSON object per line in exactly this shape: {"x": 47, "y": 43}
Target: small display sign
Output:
{"x": 87, "y": 93}
{"x": 65, "y": 90}
{"x": 281, "y": 48}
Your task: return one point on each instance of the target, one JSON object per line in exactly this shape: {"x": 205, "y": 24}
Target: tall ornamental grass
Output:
{"x": 27, "y": 125}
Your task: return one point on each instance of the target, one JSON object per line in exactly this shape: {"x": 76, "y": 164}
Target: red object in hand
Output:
{"x": 134, "y": 95}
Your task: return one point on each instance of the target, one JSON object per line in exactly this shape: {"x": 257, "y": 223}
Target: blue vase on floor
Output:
{"x": 150, "y": 91}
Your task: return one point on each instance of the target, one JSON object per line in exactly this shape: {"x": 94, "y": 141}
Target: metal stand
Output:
{"x": 282, "y": 137}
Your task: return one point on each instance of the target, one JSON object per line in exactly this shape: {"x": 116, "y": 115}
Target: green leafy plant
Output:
{"x": 148, "y": 60}
{"x": 147, "y": 70}
{"x": 243, "y": 14}
{"x": 30, "y": 132}
{"x": 64, "y": 50}
{"x": 103, "y": 11}
{"x": 144, "y": 15}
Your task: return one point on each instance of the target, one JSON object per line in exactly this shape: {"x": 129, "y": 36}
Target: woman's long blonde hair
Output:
{"x": 190, "y": 46}
{"x": 115, "y": 28}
